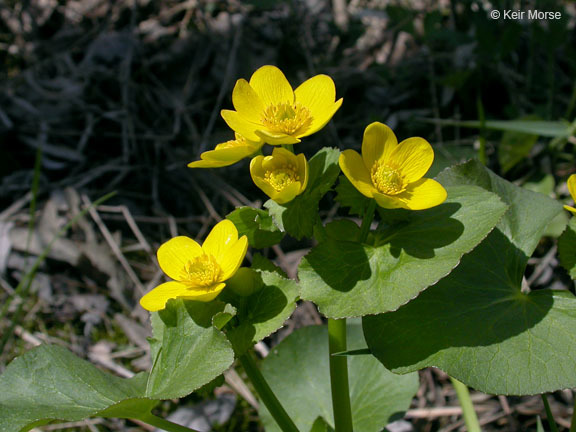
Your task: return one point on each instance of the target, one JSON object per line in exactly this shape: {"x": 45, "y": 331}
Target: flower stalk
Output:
{"x": 339, "y": 376}
{"x": 468, "y": 412}
{"x": 164, "y": 424}
{"x": 266, "y": 394}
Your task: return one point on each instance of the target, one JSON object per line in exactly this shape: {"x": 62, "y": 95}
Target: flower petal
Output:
{"x": 246, "y": 102}
{"x": 302, "y": 168}
{"x": 571, "y": 183}
{"x": 223, "y": 235}
{"x": 156, "y": 299}
{"x": 288, "y": 193}
{"x": 271, "y": 86}
{"x": 413, "y": 157}
{"x": 231, "y": 261}
{"x": 570, "y": 209}
{"x": 388, "y": 201}
{"x": 423, "y": 194}
{"x": 239, "y": 124}
{"x": 318, "y": 95}
{"x": 175, "y": 254}
{"x": 354, "y": 169}
{"x": 204, "y": 294}
{"x": 275, "y": 138}
{"x": 224, "y": 157}
{"x": 377, "y": 144}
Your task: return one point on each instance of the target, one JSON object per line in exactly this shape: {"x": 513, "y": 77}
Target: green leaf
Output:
{"x": 299, "y": 216}
{"x": 567, "y": 248}
{"x": 320, "y": 425}
{"x": 50, "y": 383}
{"x": 298, "y": 373}
{"x": 348, "y": 196}
{"x": 476, "y": 324}
{"x": 346, "y": 278}
{"x": 514, "y": 147}
{"x": 257, "y": 225}
{"x": 188, "y": 350}
{"x": 553, "y": 129}
{"x": 263, "y": 312}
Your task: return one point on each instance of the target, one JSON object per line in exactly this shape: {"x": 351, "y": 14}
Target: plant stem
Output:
{"x": 549, "y": 416}
{"x": 367, "y": 221}
{"x": 468, "y": 412}
{"x": 289, "y": 147}
{"x": 164, "y": 424}
{"x": 266, "y": 395}
{"x": 339, "y": 375}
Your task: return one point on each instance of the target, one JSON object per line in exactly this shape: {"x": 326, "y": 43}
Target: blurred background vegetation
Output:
{"x": 99, "y": 96}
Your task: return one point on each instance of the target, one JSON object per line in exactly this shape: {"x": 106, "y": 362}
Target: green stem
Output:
{"x": 163, "y": 424}
{"x": 339, "y": 375}
{"x": 266, "y": 395}
{"x": 573, "y": 424}
{"x": 468, "y": 412}
{"x": 549, "y": 416}
{"x": 367, "y": 221}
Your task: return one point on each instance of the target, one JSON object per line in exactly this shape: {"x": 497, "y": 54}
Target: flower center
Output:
{"x": 386, "y": 179}
{"x": 286, "y": 118}
{"x": 282, "y": 176}
{"x": 201, "y": 271}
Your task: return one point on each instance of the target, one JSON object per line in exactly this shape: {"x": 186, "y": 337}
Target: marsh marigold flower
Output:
{"x": 227, "y": 153}
{"x": 199, "y": 272}
{"x": 571, "y": 183}
{"x": 391, "y": 173}
{"x": 281, "y": 176}
{"x": 267, "y": 108}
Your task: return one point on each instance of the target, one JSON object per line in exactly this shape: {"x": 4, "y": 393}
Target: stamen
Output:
{"x": 203, "y": 271}
{"x": 387, "y": 179}
{"x": 282, "y": 176}
{"x": 286, "y": 118}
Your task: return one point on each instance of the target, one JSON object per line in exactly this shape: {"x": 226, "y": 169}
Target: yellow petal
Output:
{"x": 302, "y": 169}
{"x": 423, "y": 194}
{"x": 318, "y": 95}
{"x": 156, "y": 299}
{"x": 570, "y": 209}
{"x": 275, "y": 138}
{"x": 271, "y": 86}
{"x": 231, "y": 261}
{"x": 571, "y": 183}
{"x": 354, "y": 169}
{"x": 413, "y": 157}
{"x": 223, "y": 235}
{"x": 204, "y": 294}
{"x": 388, "y": 201}
{"x": 246, "y": 102}
{"x": 288, "y": 193}
{"x": 222, "y": 157}
{"x": 175, "y": 254}
{"x": 322, "y": 119}
{"x": 239, "y": 124}
{"x": 377, "y": 144}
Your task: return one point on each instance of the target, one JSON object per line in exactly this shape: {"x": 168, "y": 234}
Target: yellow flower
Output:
{"x": 571, "y": 183}
{"x": 281, "y": 176}
{"x": 391, "y": 173}
{"x": 198, "y": 271}
{"x": 227, "y": 153}
{"x": 267, "y": 108}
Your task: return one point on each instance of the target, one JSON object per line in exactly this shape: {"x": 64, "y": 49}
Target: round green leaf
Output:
{"x": 346, "y": 278}
{"x": 476, "y": 324}
{"x": 50, "y": 383}
{"x": 187, "y": 350}
{"x": 297, "y": 371}
{"x": 257, "y": 225}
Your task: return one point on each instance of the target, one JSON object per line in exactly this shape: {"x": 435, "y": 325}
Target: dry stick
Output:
{"x": 131, "y": 223}
{"x": 115, "y": 249}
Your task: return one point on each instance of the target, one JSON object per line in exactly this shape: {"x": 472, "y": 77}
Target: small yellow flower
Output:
{"x": 267, "y": 108}
{"x": 198, "y": 271}
{"x": 281, "y": 176}
{"x": 391, "y": 173}
{"x": 571, "y": 183}
{"x": 227, "y": 153}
